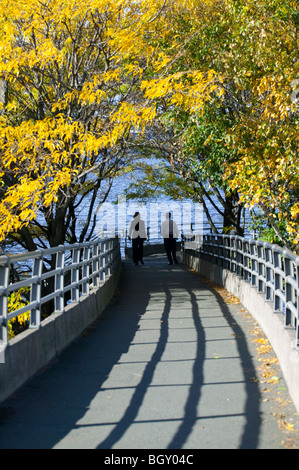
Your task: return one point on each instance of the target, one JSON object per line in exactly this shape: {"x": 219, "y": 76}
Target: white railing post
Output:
{"x": 75, "y": 293}
{"x": 102, "y": 262}
{"x": 239, "y": 256}
{"x": 35, "y": 293}
{"x": 110, "y": 255}
{"x": 95, "y": 265}
{"x": 269, "y": 267}
{"x": 59, "y": 280}
{"x": 85, "y": 270}
{"x": 246, "y": 261}
{"x": 278, "y": 285}
{"x": 253, "y": 263}
{"x": 260, "y": 268}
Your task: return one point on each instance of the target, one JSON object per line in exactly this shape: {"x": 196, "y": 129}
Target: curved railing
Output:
{"x": 76, "y": 269}
{"x": 272, "y": 270}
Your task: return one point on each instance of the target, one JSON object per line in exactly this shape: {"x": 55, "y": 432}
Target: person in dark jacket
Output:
{"x": 170, "y": 233}
{"x": 137, "y": 234}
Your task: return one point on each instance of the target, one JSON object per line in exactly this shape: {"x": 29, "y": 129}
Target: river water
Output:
{"x": 115, "y": 215}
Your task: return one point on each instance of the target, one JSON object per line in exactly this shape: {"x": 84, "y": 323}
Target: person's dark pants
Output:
{"x": 137, "y": 245}
{"x": 170, "y": 248}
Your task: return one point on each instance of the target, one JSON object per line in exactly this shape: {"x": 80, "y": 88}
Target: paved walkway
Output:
{"x": 168, "y": 366}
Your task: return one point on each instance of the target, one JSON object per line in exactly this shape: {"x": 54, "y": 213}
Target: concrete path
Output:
{"x": 168, "y": 366}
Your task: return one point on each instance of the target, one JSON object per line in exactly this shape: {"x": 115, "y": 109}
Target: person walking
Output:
{"x": 170, "y": 233}
{"x": 137, "y": 234}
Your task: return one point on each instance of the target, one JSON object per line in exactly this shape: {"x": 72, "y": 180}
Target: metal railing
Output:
{"x": 272, "y": 270}
{"x": 75, "y": 270}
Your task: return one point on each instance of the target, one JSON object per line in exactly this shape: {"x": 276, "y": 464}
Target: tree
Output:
{"x": 84, "y": 84}
{"x": 188, "y": 164}
{"x": 230, "y": 68}
{"x": 68, "y": 113}
{"x": 194, "y": 112}
{"x": 265, "y": 137}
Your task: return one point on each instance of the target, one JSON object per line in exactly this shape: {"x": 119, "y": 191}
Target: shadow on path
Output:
{"x": 192, "y": 401}
{"x": 140, "y": 391}
{"x": 250, "y": 437}
{"x": 47, "y": 408}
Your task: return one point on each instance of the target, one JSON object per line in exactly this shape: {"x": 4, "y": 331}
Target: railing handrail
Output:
{"x": 86, "y": 266}
{"x": 271, "y": 269}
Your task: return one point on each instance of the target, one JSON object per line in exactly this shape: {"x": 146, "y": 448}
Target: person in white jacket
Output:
{"x": 137, "y": 234}
{"x": 170, "y": 233}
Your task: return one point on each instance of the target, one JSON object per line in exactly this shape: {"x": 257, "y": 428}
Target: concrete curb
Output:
{"x": 281, "y": 339}
{"x": 34, "y": 348}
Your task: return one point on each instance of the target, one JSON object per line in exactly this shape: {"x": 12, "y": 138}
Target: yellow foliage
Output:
{"x": 45, "y": 50}
{"x": 16, "y": 301}
{"x": 83, "y": 73}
